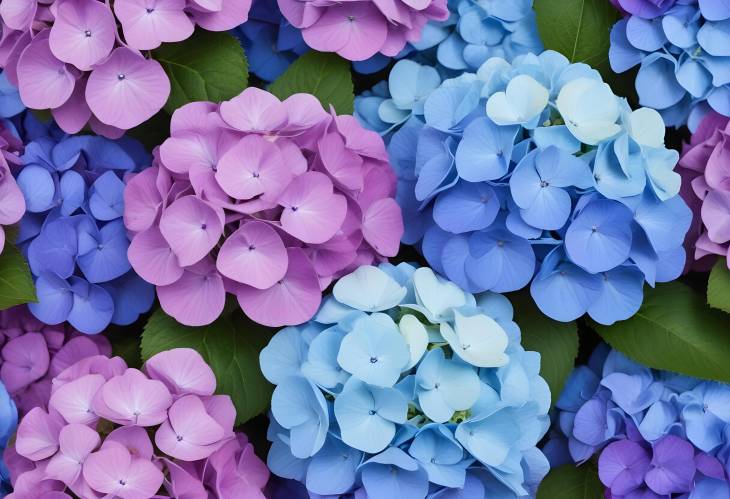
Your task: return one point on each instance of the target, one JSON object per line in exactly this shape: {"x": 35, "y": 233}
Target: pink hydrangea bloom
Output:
{"x": 264, "y": 199}
{"x": 357, "y": 30}
{"x": 12, "y": 202}
{"x": 86, "y": 61}
{"x": 33, "y": 353}
{"x": 705, "y": 170}
{"x": 93, "y": 436}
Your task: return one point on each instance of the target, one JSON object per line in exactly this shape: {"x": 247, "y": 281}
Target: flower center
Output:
{"x": 150, "y": 10}
{"x": 373, "y": 360}
{"x": 121, "y": 76}
{"x": 87, "y": 33}
{"x": 350, "y": 18}
{"x": 544, "y": 183}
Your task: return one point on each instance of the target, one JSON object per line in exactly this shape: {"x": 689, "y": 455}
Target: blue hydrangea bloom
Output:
{"x": 683, "y": 59}
{"x": 8, "y": 424}
{"x": 72, "y": 234}
{"x": 404, "y": 385}
{"x": 614, "y": 399}
{"x": 535, "y": 173}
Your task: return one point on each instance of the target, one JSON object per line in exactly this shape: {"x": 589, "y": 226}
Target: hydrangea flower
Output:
{"x": 536, "y": 173}
{"x": 404, "y": 385}
{"x": 73, "y": 234}
{"x": 656, "y": 433}
{"x": 362, "y": 29}
{"x": 8, "y": 423}
{"x": 12, "y": 203}
{"x": 117, "y": 431}
{"x": 264, "y": 199}
{"x": 33, "y": 353}
{"x": 681, "y": 48}
{"x": 83, "y": 59}
{"x": 705, "y": 171}
{"x": 271, "y": 42}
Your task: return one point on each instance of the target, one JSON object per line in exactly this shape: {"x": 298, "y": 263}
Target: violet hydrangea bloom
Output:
{"x": 656, "y": 434}
{"x": 404, "y": 385}
{"x": 83, "y": 59}
{"x": 116, "y": 431}
{"x": 12, "y": 203}
{"x": 361, "y": 29}
{"x": 535, "y": 173}
{"x": 705, "y": 170}
{"x": 33, "y": 353}
{"x": 264, "y": 199}
{"x": 73, "y": 235}
{"x": 681, "y": 48}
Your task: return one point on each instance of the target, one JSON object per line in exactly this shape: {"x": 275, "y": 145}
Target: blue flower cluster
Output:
{"x": 8, "y": 423}
{"x": 477, "y": 31}
{"x": 684, "y": 58}
{"x": 270, "y": 41}
{"x": 613, "y": 399}
{"x": 73, "y": 234}
{"x": 10, "y": 103}
{"x": 536, "y": 169}
{"x": 406, "y": 386}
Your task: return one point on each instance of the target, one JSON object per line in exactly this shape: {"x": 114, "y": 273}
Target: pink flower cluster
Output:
{"x": 265, "y": 199}
{"x": 357, "y": 30}
{"x": 705, "y": 170}
{"x": 12, "y": 202}
{"x": 68, "y": 55}
{"x": 94, "y": 439}
{"x": 34, "y": 353}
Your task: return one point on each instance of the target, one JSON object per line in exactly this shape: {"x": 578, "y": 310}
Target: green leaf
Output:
{"x": 556, "y": 341}
{"x": 125, "y": 341}
{"x": 326, "y": 76}
{"x": 229, "y": 345}
{"x": 207, "y": 66}
{"x": 718, "y": 287}
{"x": 675, "y": 330}
{"x": 16, "y": 283}
{"x": 152, "y": 132}
{"x": 572, "y": 482}
{"x": 578, "y": 29}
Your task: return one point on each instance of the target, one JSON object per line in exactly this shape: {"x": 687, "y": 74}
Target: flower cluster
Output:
{"x": 12, "y": 204}
{"x": 95, "y": 440}
{"x": 538, "y": 169}
{"x": 705, "y": 170}
{"x": 407, "y": 385}
{"x": 68, "y": 55}
{"x": 681, "y": 48}
{"x": 8, "y": 423}
{"x": 360, "y": 29}
{"x": 264, "y": 199}
{"x": 34, "y": 353}
{"x": 477, "y": 31}
{"x": 271, "y": 42}
{"x": 73, "y": 234}
{"x": 659, "y": 434}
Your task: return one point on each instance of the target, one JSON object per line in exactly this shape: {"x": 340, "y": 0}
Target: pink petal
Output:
{"x": 83, "y": 32}
{"x": 146, "y": 24}
{"x": 44, "y": 81}
{"x": 133, "y": 399}
{"x": 142, "y": 200}
{"x": 183, "y": 483}
{"x": 143, "y": 480}
{"x": 252, "y": 167}
{"x": 342, "y": 164}
{"x": 134, "y": 438}
{"x": 203, "y": 149}
{"x": 76, "y": 441}
{"x": 364, "y": 142}
{"x": 153, "y": 259}
{"x": 717, "y": 172}
{"x": 73, "y": 114}
{"x": 382, "y": 226}
{"x": 127, "y": 89}
{"x": 105, "y": 468}
{"x": 300, "y": 14}
{"x": 12, "y": 202}
{"x": 74, "y": 400}
{"x": 305, "y": 112}
{"x": 355, "y": 30}
{"x": 253, "y": 255}
{"x": 37, "y": 436}
{"x": 195, "y": 117}
{"x": 192, "y": 228}
{"x": 73, "y": 351}
{"x": 220, "y": 408}
{"x": 312, "y": 213}
{"x": 182, "y": 370}
{"x": 98, "y": 364}
{"x": 197, "y": 298}
{"x": 208, "y": 5}
{"x": 379, "y": 183}
{"x": 293, "y": 300}
{"x": 190, "y": 431}
{"x": 716, "y": 216}
{"x": 18, "y": 14}
{"x": 231, "y": 14}
{"x": 25, "y": 359}
{"x": 108, "y": 131}
{"x": 254, "y": 110}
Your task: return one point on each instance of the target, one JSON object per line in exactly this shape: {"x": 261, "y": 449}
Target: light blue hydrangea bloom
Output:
{"x": 535, "y": 173}
{"x": 404, "y": 385}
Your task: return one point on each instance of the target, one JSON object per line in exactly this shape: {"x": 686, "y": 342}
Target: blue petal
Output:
{"x": 321, "y": 365}
{"x": 283, "y": 356}
{"x": 333, "y": 469}
{"x": 715, "y": 10}
{"x": 54, "y": 250}
{"x": 394, "y": 474}
{"x": 282, "y": 463}
{"x": 645, "y": 34}
{"x": 622, "y": 55}
{"x": 466, "y": 207}
{"x": 106, "y": 197}
{"x": 55, "y": 299}
{"x": 38, "y": 188}
{"x": 447, "y": 106}
{"x": 450, "y": 52}
{"x": 108, "y": 260}
{"x": 656, "y": 83}
{"x": 621, "y": 295}
{"x": 500, "y": 261}
{"x": 92, "y": 308}
{"x": 664, "y": 223}
{"x": 10, "y": 103}
{"x": 485, "y": 150}
{"x": 681, "y": 25}
{"x": 694, "y": 77}
{"x": 73, "y": 192}
{"x": 619, "y": 168}
{"x": 100, "y": 153}
{"x": 558, "y": 136}
{"x": 299, "y": 406}
{"x": 132, "y": 297}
